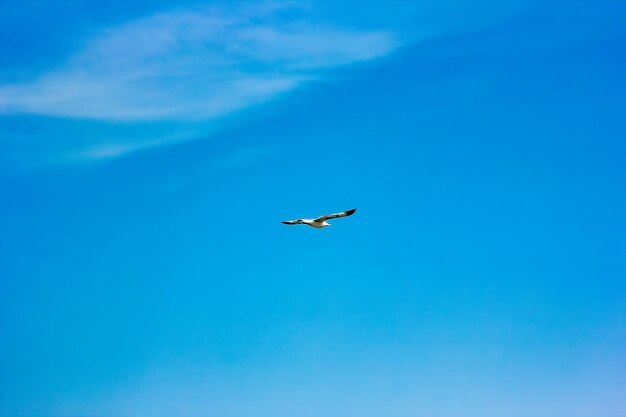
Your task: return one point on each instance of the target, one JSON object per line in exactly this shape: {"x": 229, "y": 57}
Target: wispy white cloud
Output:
{"x": 183, "y": 70}
{"x": 198, "y": 64}
{"x": 113, "y": 148}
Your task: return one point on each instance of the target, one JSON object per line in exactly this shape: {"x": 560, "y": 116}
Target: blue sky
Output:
{"x": 148, "y": 153}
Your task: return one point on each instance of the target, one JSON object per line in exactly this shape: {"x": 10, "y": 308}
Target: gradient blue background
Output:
{"x": 484, "y": 273}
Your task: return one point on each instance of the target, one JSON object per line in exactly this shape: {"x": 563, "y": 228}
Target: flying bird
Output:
{"x": 321, "y": 222}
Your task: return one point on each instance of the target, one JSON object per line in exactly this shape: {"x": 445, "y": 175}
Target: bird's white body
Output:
{"x": 321, "y": 222}
{"x": 317, "y": 225}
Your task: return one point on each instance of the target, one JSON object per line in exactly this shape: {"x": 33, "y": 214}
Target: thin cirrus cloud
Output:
{"x": 191, "y": 65}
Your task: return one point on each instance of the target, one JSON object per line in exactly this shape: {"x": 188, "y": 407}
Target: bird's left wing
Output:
{"x": 334, "y": 216}
{"x": 299, "y": 221}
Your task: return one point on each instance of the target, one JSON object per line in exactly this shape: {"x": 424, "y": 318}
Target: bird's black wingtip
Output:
{"x": 350, "y": 212}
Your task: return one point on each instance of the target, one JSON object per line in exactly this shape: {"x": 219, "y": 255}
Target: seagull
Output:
{"x": 321, "y": 222}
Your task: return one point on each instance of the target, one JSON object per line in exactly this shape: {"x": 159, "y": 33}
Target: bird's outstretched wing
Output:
{"x": 334, "y": 216}
{"x": 299, "y": 221}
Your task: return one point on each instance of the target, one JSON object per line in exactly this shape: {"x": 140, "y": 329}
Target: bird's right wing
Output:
{"x": 334, "y": 216}
{"x": 299, "y": 221}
